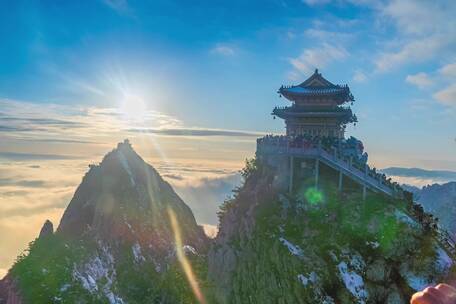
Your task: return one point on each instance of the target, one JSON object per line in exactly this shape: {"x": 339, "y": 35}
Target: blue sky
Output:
{"x": 215, "y": 64}
{"x": 76, "y": 77}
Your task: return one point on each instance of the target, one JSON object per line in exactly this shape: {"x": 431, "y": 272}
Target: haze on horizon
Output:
{"x": 193, "y": 85}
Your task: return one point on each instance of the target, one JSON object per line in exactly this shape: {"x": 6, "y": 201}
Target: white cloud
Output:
{"x": 359, "y": 76}
{"x": 325, "y": 35}
{"x": 415, "y": 17}
{"x": 291, "y": 35}
{"x": 39, "y": 122}
{"x": 448, "y": 70}
{"x": 447, "y": 96}
{"x": 205, "y": 195}
{"x": 316, "y": 2}
{"x": 294, "y": 76}
{"x": 369, "y": 3}
{"x": 223, "y": 49}
{"x": 120, "y": 6}
{"x": 412, "y": 51}
{"x": 320, "y": 57}
{"x": 424, "y": 30}
{"x": 421, "y": 80}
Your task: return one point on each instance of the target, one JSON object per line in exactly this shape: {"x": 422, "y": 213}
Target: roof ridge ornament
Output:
{"x": 317, "y": 86}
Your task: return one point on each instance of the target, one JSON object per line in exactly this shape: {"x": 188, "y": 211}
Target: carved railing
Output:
{"x": 366, "y": 175}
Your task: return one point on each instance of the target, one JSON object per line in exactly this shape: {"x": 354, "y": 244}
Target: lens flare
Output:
{"x": 314, "y": 196}
{"x": 186, "y": 266}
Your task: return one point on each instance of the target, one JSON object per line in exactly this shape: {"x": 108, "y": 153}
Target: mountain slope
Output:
{"x": 439, "y": 200}
{"x": 115, "y": 242}
{"x": 317, "y": 246}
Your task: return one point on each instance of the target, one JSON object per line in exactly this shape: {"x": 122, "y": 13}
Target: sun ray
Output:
{"x": 186, "y": 266}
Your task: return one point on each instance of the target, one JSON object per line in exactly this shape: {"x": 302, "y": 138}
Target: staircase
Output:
{"x": 335, "y": 162}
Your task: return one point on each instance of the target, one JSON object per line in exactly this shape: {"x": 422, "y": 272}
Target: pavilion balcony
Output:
{"x": 345, "y": 114}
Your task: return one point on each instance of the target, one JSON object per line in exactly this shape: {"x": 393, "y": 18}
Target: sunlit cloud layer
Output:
{"x": 420, "y": 177}
{"x": 45, "y": 150}
{"x": 198, "y": 132}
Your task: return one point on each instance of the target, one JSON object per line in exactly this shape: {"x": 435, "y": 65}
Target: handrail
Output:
{"x": 277, "y": 147}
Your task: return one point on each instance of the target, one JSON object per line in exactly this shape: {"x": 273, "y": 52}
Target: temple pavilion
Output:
{"x": 319, "y": 108}
{"x": 314, "y": 147}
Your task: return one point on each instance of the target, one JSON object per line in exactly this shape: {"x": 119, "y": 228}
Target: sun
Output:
{"x": 133, "y": 108}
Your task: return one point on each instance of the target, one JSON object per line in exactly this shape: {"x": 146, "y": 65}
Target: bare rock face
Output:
{"x": 236, "y": 226}
{"x": 47, "y": 229}
{"x": 9, "y": 293}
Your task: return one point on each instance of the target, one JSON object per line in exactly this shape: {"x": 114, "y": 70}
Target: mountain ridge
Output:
{"x": 114, "y": 238}
{"x": 441, "y": 175}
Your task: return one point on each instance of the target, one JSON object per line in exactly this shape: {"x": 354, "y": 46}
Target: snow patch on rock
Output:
{"x": 312, "y": 278}
{"x": 189, "y": 250}
{"x": 328, "y": 300}
{"x": 294, "y": 249}
{"x": 98, "y": 275}
{"x": 416, "y": 282}
{"x": 64, "y": 287}
{"x": 373, "y": 245}
{"x": 353, "y": 282}
{"x": 136, "y": 249}
{"x": 443, "y": 262}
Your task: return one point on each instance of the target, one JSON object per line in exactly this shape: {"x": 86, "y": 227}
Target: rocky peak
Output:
{"x": 118, "y": 241}
{"x": 125, "y": 198}
{"x": 47, "y": 229}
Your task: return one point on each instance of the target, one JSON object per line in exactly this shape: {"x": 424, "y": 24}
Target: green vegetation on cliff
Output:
{"x": 58, "y": 270}
{"x": 321, "y": 246}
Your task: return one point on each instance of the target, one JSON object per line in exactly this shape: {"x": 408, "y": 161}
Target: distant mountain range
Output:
{"x": 436, "y": 175}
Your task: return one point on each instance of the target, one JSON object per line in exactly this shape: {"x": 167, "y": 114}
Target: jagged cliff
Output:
{"x": 115, "y": 242}
{"x": 318, "y": 246}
